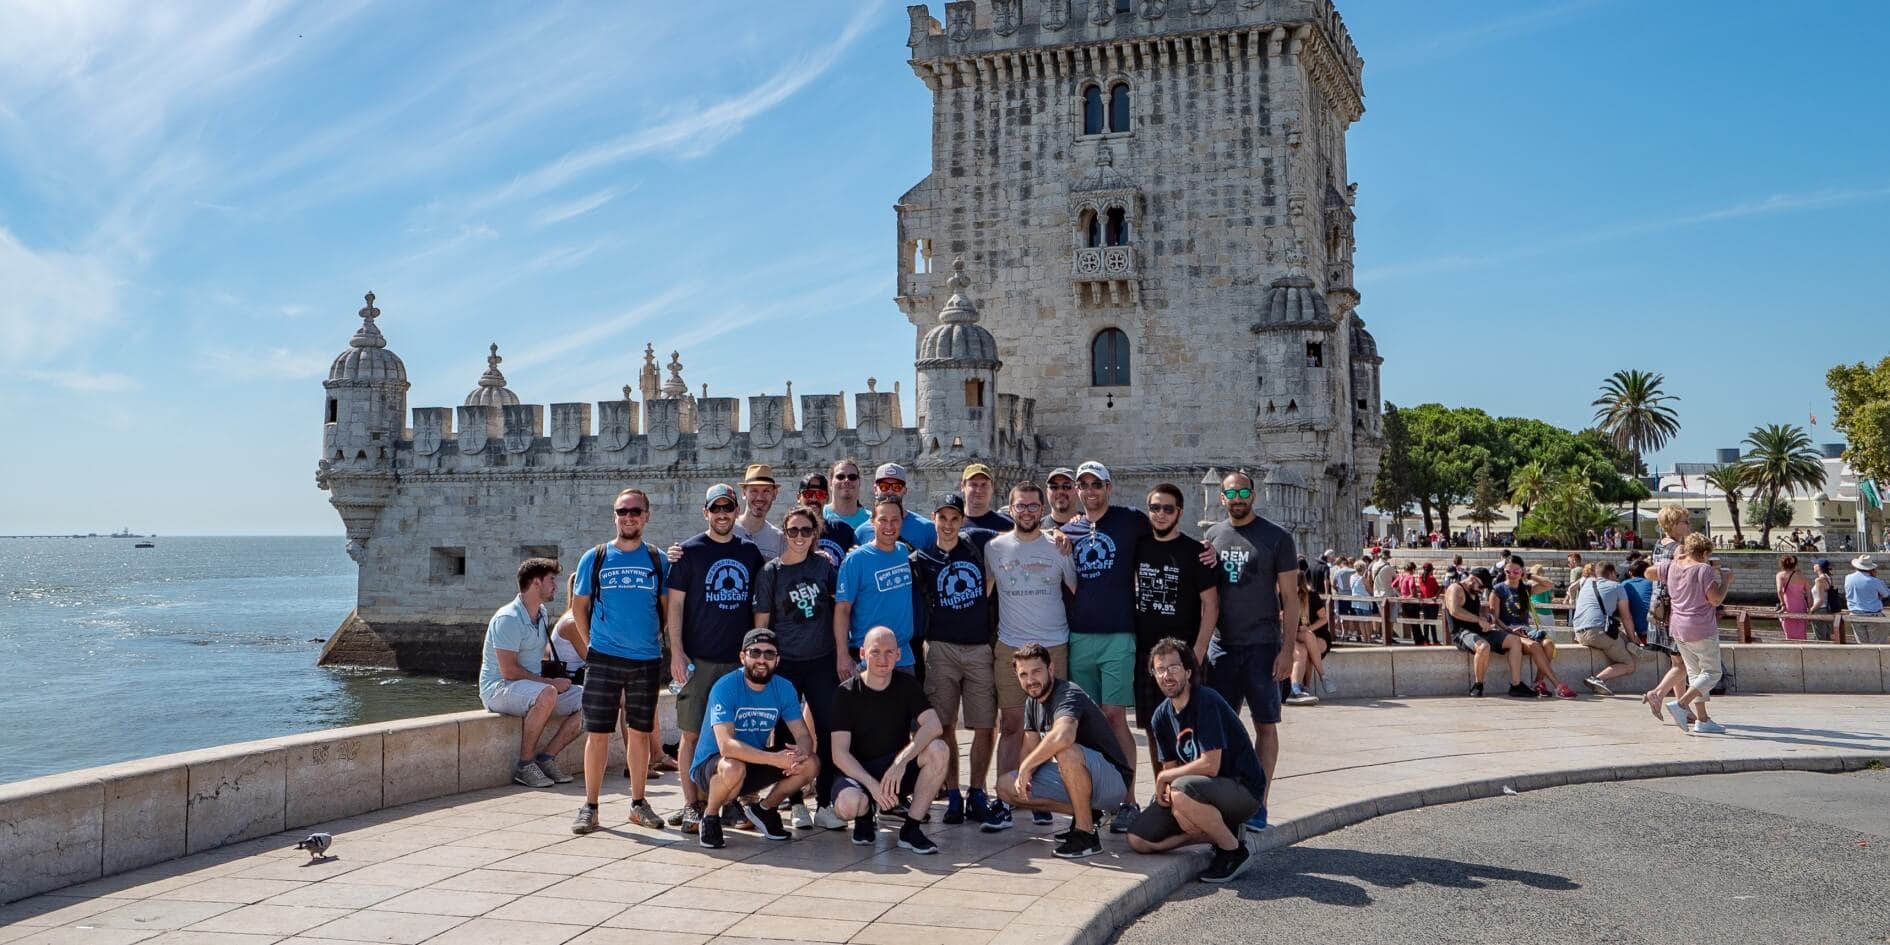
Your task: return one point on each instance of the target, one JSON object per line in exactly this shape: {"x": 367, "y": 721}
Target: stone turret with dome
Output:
{"x": 492, "y": 391}
{"x": 367, "y": 360}
{"x": 957, "y": 378}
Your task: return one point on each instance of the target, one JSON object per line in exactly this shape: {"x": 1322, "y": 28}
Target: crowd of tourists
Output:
{"x": 823, "y": 663}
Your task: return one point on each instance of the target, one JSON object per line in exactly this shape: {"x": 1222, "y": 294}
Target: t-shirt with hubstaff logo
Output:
{"x": 717, "y": 581}
{"x": 1104, "y": 553}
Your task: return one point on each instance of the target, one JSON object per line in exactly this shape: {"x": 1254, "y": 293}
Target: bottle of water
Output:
{"x": 689, "y": 672}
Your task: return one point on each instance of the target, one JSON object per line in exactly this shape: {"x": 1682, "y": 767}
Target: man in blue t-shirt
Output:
{"x": 1103, "y": 539}
{"x": 710, "y": 607}
{"x": 1210, "y": 780}
{"x": 734, "y": 761}
{"x": 914, "y": 529}
{"x": 844, "y": 506}
{"x": 875, "y": 586}
{"x": 618, "y": 606}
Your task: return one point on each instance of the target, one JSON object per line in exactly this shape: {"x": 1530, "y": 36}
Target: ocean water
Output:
{"x": 113, "y": 652}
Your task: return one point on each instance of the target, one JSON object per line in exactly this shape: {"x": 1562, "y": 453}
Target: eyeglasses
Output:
{"x": 1163, "y": 509}
{"x": 632, "y": 513}
{"x": 893, "y": 486}
{"x": 798, "y": 531}
{"x": 846, "y": 477}
{"x": 722, "y": 507}
{"x": 758, "y": 653}
{"x": 818, "y": 495}
{"x": 1169, "y": 669}
{"x": 1065, "y": 487}
{"x": 1237, "y": 493}
{"x": 1026, "y": 506}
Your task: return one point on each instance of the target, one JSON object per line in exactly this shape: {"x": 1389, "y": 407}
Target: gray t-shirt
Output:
{"x": 1253, "y": 556}
{"x": 511, "y": 629}
{"x": 1592, "y": 614}
{"x": 1030, "y": 577}
{"x": 768, "y": 538}
{"x": 798, "y": 599}
{"x": 1068, "y": 700}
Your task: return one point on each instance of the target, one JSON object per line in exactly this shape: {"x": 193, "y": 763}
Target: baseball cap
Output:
{"x": 890, "y": 471}
{"x": 949, "y": 500}
{"x": 759, "y": 635}
{"x": 720, "y": 490}
{"x": 814, "y": 481}
{"x": 1093, "y": 468}
{"x": 975, "y": 469}
{"x": 1482, "y": 574}
{"x": 1064, "y": 471}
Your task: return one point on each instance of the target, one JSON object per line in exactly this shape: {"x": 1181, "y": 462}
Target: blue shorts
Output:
{"x": 1245, "y": 675}
{"x": 1106, "y": 789}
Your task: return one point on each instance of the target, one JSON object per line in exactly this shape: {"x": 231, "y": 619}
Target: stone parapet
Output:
{"x": 1404, "y": 672}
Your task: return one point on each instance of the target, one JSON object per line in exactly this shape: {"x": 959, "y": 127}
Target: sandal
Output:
{"x": 665, "y": 763}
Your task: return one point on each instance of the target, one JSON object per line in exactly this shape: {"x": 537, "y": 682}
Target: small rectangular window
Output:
{"x": 974, "y": 393}
{"x": 1315, "y": 354}
{"x": 334, "y": 410}
{"x": 448, "y": 565}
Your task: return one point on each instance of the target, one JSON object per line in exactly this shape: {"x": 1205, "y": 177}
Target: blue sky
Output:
{"x": 194, "y": 196}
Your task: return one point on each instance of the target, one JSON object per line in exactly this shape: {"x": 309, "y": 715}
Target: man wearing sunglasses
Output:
{"x": 1060, "y": 499}
{"x": 743, "y": 707}
{"x": 1176, "y": 596}
{"x": 710, "y": 608}
{"x": 915, "y": 530}
{"x": 836, "y": 536}
{"x": 845, "y": 504}
{"x": 955, "y": 619}
{"x": 618, "y": 607}
{"x": 1259, "y": 593}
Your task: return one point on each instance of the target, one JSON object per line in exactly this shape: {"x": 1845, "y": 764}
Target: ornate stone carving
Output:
{"x": 1056, "y": 14}
{"x": 1006, "y": 16}
{"x": 1102, "y": 11}
{"x": 324, "y": 475}
{"x": 614, "y": 424}
{"x": 822, "y": 426}
{"x": 357, "y": 551}
{"x": 1154, "y": 9}
{"x": 665, "y": 423}
{"x": 1198, "y": 7}
{"x": 765, "y": 428}
{"x": 426, "y": 432}
{"x": 716, "y": 422}
{"x": 958, "y": 19}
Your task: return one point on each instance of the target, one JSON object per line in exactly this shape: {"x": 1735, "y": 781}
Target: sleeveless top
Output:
{"x": 1457, "y": 624}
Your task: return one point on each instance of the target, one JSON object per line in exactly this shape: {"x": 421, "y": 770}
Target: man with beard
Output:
{"x": 1176, "y": 595}
{"x": 1259, "y": 588}
{"x": 1029, "y": 575}
{"x": 976, "y": 485}
{"x": 914, "y": 529}
{"x": 836, "y": 537}
{"x": 1209, "y": 782}
{"x": 743, "y": 707}
{"x": 955, "y": 613}
{"x": 709, "y": 610}
{"x": 1072, "y": 762}
{"x": 846, "y": 507}
{"x": 886, "y": 746}
{"x": 1060, "y": 489}
{"x": 618, "y": 606}
{"x": 758, "y": 492}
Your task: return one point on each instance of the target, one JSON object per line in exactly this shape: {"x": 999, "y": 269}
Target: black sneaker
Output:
{"x": 1095, "y": 822}
{"x": 1521, "y": 691}
{"x": 1079, "y": 843}
{"x": 586, "y": 819}
{"x": 1476, "y": 690}
{"x": 709, "y": 832}
{"x": 914, "y": 839}
{"x": 864, "y": 830}
{"x": 1227, "y": 864}
{"x": 765, "y": 820}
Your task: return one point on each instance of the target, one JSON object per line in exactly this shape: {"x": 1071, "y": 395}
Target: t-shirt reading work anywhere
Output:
{"x": 879, "y": 586}
{"x": 733, "y": 701}
{"x": 717, "y": 579}
{"x": 1104, "y": 551}
{"x": 629, "y": 590}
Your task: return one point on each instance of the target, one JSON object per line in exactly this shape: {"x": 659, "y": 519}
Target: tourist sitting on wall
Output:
{"x": 1210, "y": 779}
{"x": 512, "y": 681}
{"x": 1509, "y": 602}
{"x": 1479, "y": 636}
{"x": 1604, "y": 621}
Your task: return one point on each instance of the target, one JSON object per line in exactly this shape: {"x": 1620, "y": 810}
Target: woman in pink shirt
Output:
{"x": 1696, "y": 586}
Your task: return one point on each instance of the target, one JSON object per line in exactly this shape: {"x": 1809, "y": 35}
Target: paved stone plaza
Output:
{"x": 502, "y": 865}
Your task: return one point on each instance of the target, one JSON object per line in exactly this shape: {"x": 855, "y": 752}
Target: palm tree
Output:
{"x": 1781, "y": 461}
{"x": 1729, "y": 479}
{"x": 1527, "y": 485}
{"x": 1632, "y": 410}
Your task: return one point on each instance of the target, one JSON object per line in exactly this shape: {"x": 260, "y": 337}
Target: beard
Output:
{"x": 759, "y": 674}
{"x": 1172, "y": 689}
{"x": 1163, "y": 533}
{"x": 721, "y": 529}
{"x": 630, "y": 532}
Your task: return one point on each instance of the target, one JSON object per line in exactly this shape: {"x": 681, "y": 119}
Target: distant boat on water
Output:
{"x": 145, "y": 544}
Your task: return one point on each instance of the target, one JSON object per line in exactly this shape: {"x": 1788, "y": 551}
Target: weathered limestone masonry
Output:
{"x": 1152, "y": 199}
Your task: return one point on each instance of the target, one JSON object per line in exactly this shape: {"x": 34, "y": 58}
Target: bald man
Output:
{"x": 886, "y": 745}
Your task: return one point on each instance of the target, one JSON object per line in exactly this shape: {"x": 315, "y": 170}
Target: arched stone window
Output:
{"x": 1115, "y": 228}
{"x": 1109, "y": 359}
{"x": 1119, "y": 107}
{"x": 1092, "y": 229}
{"x": 1093, "y": 122}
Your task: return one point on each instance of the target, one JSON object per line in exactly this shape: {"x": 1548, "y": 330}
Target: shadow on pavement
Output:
{"x": 1322, "y": 875}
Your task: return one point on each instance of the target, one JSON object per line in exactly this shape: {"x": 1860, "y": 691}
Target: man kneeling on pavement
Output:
{"x": 1210, "y": 779}
{"x": 886, "y": 745}
{"x": 734, "y": 762}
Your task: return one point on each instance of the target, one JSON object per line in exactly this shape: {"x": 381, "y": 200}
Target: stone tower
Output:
{"x": 364, "y": 423}
{"x": 957, "y": 381}
{"x": 1155, "y": 194}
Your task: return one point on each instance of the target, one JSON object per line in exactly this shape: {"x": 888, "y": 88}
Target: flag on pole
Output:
{"x": 1868, "y": 488}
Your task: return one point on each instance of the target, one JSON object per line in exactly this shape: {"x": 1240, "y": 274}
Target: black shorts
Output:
{"x": 754, "y": 779}
{"x": 1497, "y": 639}
{"x": 1233, "y": 800}
{"x": 614, "y": 683}
{"x": 877, "y": 767}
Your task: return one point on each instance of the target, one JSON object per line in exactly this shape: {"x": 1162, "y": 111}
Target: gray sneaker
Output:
{"x": 1708, "y": 727}
{"x": 550, "y": 767}
{"x": 1598, "y": 687}
{"x": 530, "y": 775}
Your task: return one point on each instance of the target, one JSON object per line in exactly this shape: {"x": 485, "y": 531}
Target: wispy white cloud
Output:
{"x": 559, "y": 213}
{"x": 86, "y": 382}
{"x": 1769, "y": 206}
{"x": 265, "y": 364}
{"x": 561, "y": 258}
{"x": 596, "y": 331}
{"x": 52, "y": 301}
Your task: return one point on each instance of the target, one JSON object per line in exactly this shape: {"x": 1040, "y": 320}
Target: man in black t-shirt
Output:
{"x": 1073, "y": 764}
{"x": 1175, "y": 596}
{"x": 955, "y": 618}
{"x": 886, "y": 745}
{"x": 710, "y": 610}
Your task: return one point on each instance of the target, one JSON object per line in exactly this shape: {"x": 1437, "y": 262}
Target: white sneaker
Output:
{"x": 1708, "y": 727}
{"x": 826, "y": 819}
{"x": 1677, "y": 713}
{"x": 803, "y": 818}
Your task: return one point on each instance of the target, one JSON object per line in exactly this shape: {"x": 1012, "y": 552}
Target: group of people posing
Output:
{"x": 824, "y": 664}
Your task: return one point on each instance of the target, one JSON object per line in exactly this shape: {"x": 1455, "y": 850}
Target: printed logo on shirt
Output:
{"x": 831, "y": 549}
{"x": 805, "y": 596}
{"x": 755, "y": 719}
{"x": 960, "y": 585}
{"x": 1234, "y": 562}
{"x": 1157, "y": 589}
{"x": 893, "y": 578}
{"x": 726, "y": 584}
{"x": 1095, "y": 555}
{"x": 1185, "y": 745}
{"x": 627, "y": 579}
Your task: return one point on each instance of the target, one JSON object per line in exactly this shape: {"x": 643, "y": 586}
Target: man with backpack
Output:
{"x": 618, "y": 607}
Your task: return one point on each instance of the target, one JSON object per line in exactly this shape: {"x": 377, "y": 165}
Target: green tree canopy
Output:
{"x": 1632, "y": 411}
{"x": 1567, "y": 513}
{"x": 1729, "y": 479}
{"x": 1862, "y": 394}
{"x": 1781, "y": 460}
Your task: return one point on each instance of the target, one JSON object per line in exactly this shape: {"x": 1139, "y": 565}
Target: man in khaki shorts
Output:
{"x": 1029, "y": 574}
{"x": 956, "y": 615}
{"x": 1597, "y": 603}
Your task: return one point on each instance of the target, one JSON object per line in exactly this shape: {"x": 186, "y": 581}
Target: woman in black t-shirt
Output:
{"x": 794, "y": 598}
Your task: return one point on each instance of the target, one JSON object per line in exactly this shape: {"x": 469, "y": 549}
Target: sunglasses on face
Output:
{"x": 758, "y": 653}
{"x": 1164, "y": 509}
{"x": 632, "y": 513}
{"x": 721, "y": 508}
{"x": 846, "y": 477}
{"x": 1089, "y": 486}
{"x": 798, "y": 531}
{"x": 893, "y": 486}
{"x": 1061, "y": 487}
{"x": 818, "y": 495}
{"x": 1237, "y": 493}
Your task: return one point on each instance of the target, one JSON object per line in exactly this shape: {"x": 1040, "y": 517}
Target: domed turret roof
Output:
{"x": 1293, "y": 301}
{"x": 491, "y": 391}
{"x": 1364, "y": 346}
{"x": 367, "y": 360}
{"x": 958, "y": 340}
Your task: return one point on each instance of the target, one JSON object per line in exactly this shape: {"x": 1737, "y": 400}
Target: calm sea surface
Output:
{"x": 113, "y": 652}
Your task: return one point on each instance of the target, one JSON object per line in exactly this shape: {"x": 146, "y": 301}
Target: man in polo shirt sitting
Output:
{"x": 510, "y": 680}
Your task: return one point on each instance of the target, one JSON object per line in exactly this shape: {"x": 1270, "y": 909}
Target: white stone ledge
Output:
{"x": 1400, "y": 672}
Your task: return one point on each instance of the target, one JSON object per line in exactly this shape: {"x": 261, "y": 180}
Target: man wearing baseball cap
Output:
{"x": 836, "y": 537}
{"x": 977, "y": 487}
{"x": 1061, "y": 486}
{"x": 915, "y": 530}
{"x": 744, "y": 705}
{"x": 955, "y": 619}
{"x": 710, "y": 608}
{"x": 1864, "y": 594}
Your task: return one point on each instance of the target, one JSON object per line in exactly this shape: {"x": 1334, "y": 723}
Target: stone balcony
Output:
{"x": 1106, "y": 275}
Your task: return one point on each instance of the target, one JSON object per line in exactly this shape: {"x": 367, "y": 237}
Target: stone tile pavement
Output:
{"x": 502, "y": 864}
